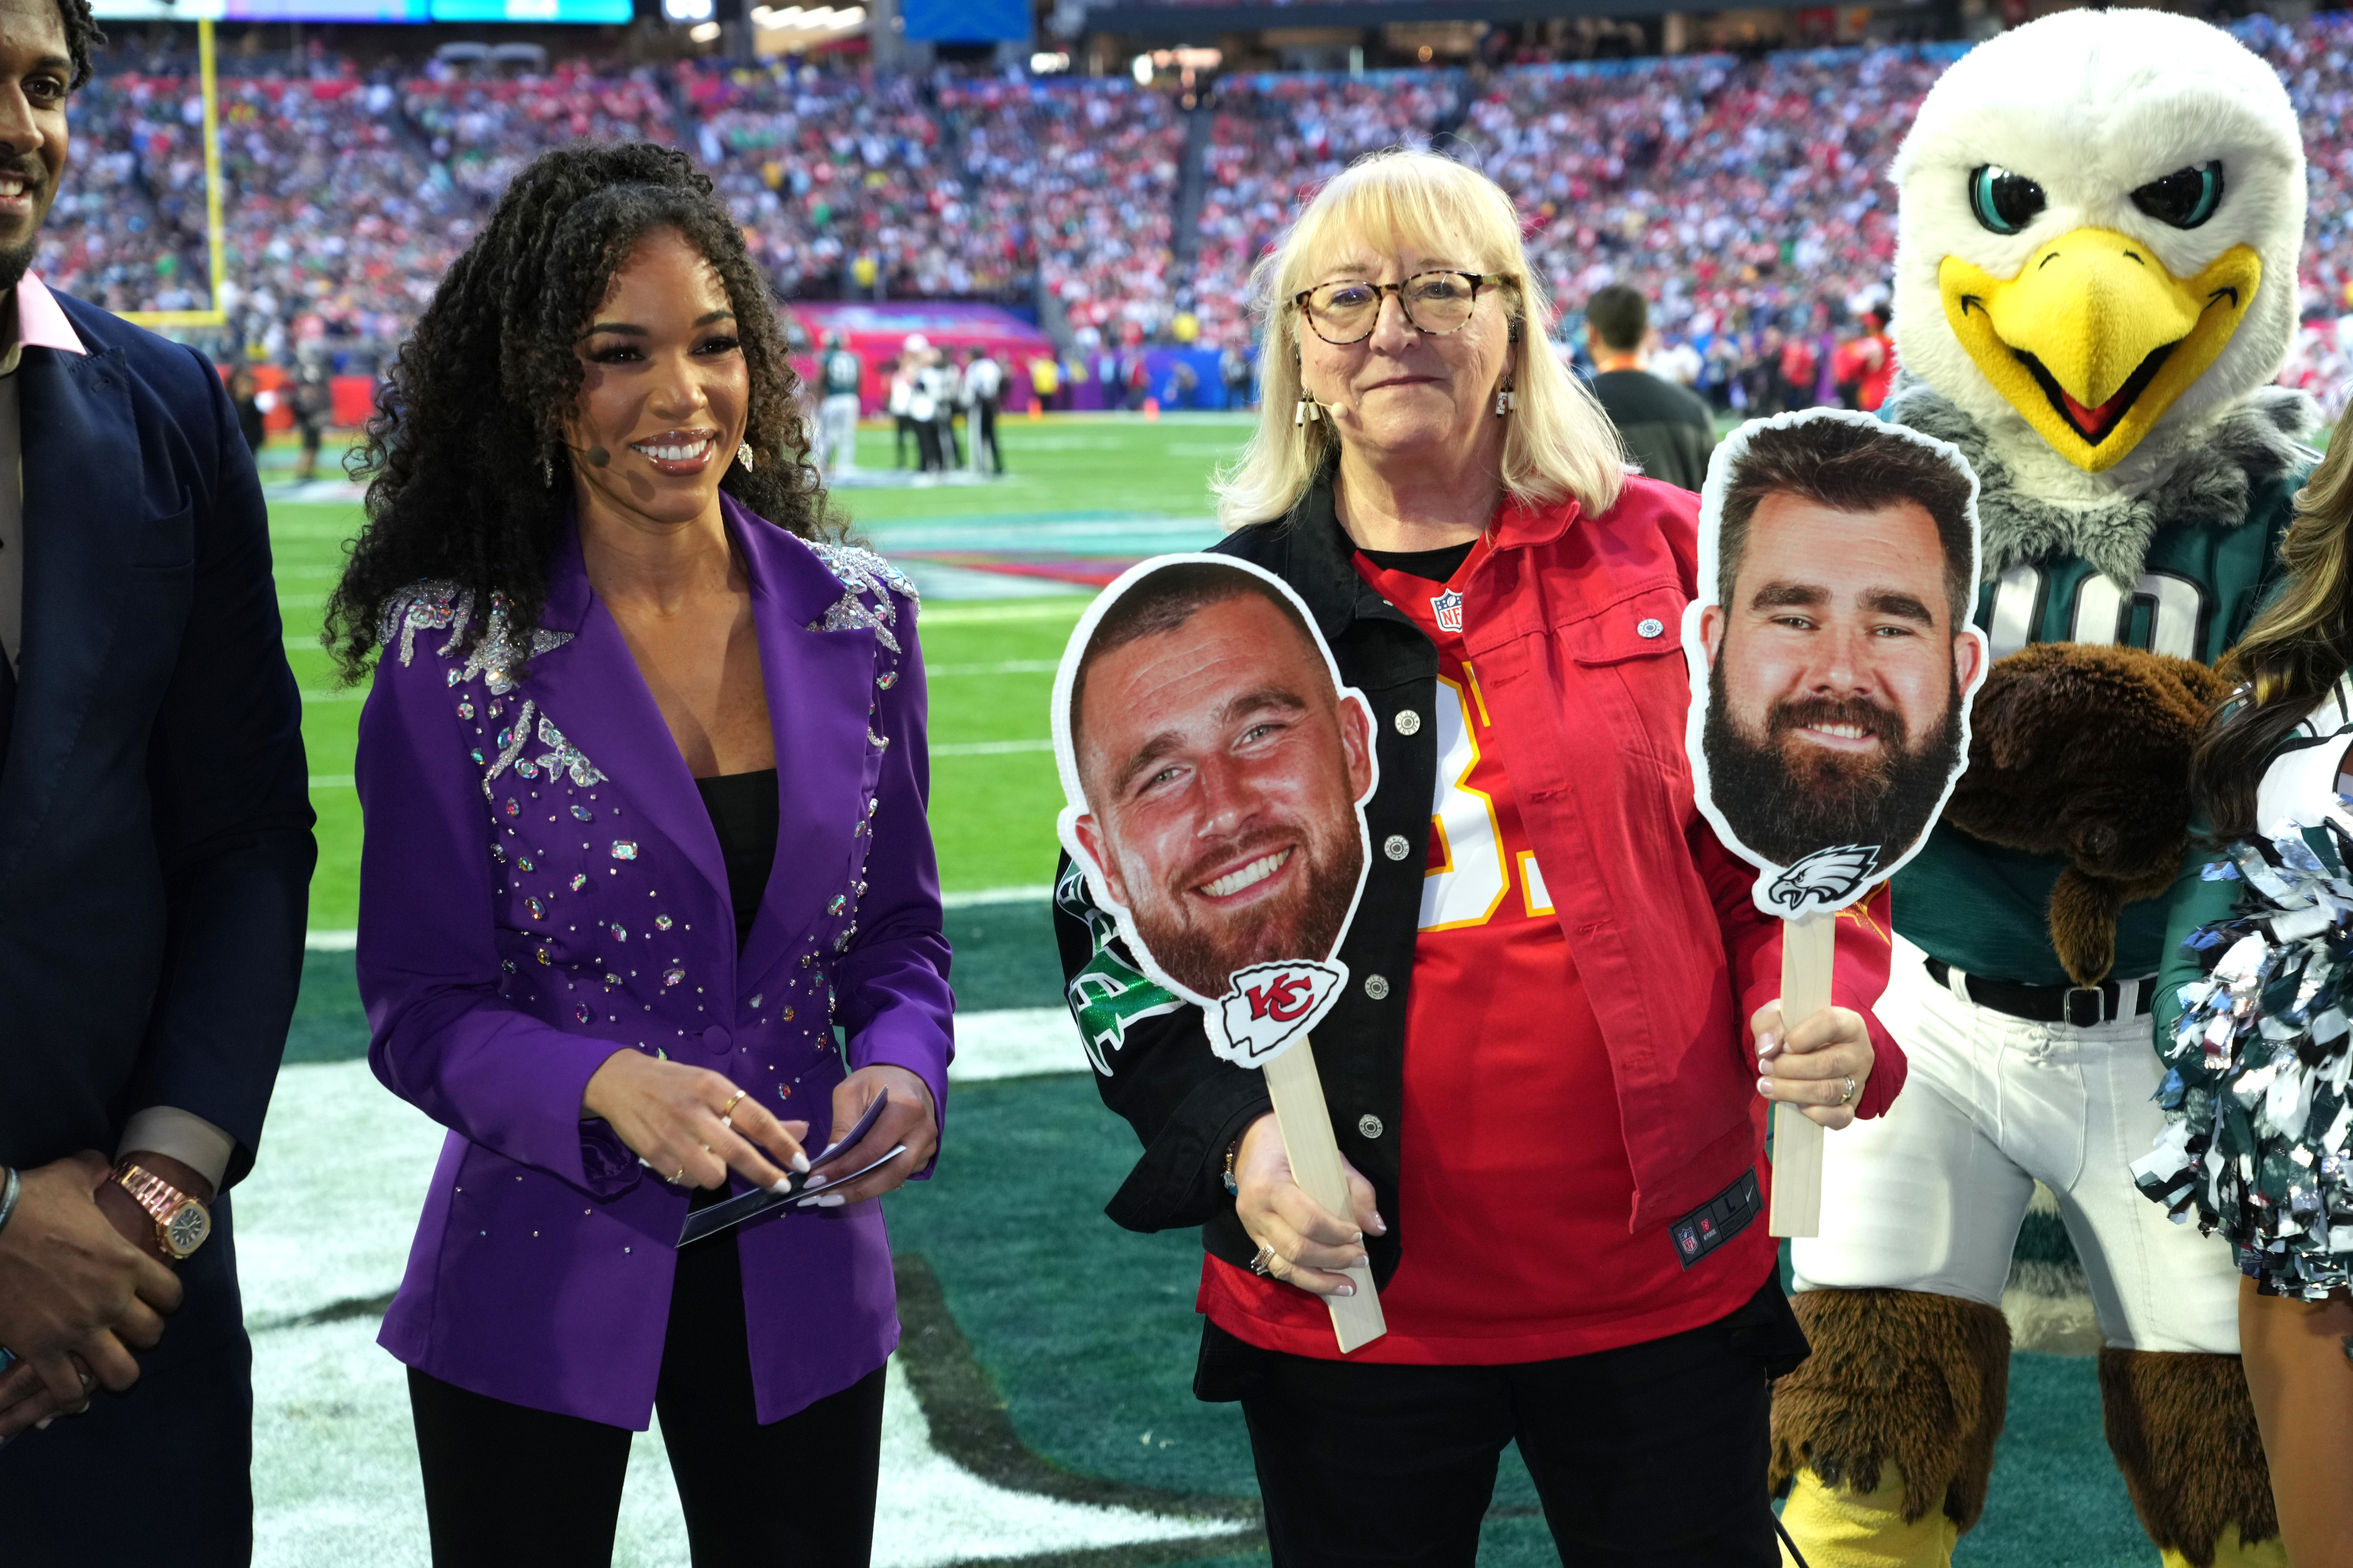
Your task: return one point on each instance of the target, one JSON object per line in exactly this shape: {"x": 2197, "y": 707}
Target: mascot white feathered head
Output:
{"x": 2099, "y": 223}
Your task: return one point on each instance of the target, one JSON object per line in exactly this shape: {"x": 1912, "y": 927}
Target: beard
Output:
{"x": 1201, "y": 948}
{"x": 1784, "y": 797}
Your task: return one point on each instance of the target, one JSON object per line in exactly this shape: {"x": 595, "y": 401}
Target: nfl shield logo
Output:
{"x": 1449, "y": 608}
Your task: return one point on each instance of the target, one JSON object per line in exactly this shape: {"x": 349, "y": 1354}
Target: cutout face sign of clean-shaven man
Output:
{"x": 1215, "y": 773}
{"x": 1832, "y": 656}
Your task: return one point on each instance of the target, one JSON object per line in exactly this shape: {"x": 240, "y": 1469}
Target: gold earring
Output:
{"x": 744, "y": 454}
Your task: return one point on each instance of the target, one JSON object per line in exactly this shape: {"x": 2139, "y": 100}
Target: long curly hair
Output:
{"x": 2291, "y": 655}
{"x": 469, "y": 423}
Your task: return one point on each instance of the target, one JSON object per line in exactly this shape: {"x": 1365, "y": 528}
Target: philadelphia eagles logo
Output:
{"x": 1827, "y": 877}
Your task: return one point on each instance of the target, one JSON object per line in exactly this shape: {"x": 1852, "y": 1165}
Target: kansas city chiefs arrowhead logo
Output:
{"x": 1270, "y": 1006}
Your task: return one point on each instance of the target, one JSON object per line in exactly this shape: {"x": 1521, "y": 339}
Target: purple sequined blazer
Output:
{"x": 541, "y": 887}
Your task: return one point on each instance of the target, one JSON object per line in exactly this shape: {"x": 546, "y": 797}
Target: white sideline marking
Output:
{"x": 990, "y": 748}
{"x": 327, "y": 1216}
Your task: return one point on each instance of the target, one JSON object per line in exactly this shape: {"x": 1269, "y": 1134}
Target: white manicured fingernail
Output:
{"x": 1346, "y": 1290}
{"x": 783, "y": 1187}
{"x": 831, "y": 1201}
{"x": 800, "y": 1162}
{"x": 1764, "y": 1087}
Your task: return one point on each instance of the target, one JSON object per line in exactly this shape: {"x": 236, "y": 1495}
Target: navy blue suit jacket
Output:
{"x": 155, "y": 845}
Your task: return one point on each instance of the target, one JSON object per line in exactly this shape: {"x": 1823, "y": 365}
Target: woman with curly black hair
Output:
{"x": 644, "y": 780}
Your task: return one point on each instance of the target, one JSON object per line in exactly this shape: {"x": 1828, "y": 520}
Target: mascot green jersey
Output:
{"x": 2100, "y": 217}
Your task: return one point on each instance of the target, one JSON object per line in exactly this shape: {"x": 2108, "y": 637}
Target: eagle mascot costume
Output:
{"x": 2100, "y": 216}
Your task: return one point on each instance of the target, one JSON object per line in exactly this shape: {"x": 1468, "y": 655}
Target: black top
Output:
{"x": 1669, "y": 430}
{"x": 1438, "y": 565}
{"x": 742, "y": 808}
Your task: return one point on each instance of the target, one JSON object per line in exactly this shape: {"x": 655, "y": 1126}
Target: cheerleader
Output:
{"x": 2252, "y": 1018}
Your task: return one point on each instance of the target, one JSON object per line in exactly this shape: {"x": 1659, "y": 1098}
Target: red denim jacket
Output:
{"x": 1575, "y": 624}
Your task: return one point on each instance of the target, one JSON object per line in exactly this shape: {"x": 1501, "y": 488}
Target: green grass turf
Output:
{"x": 992, "y": 816}
{"x": 1062, "y": 465}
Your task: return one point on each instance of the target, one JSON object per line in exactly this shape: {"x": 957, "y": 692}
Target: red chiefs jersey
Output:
{"x": 1515, "y": 1180}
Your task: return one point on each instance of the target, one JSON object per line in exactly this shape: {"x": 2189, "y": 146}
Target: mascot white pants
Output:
{"x": 1993, "y": 1104}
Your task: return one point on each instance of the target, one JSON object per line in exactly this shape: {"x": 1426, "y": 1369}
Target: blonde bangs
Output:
{"x": 1560, "y": 444}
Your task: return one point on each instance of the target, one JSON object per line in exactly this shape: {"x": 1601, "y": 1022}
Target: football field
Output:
{"x": 1041, "y": 1407}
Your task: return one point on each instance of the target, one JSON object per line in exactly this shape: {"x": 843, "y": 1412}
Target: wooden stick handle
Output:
{"x": 1809, "y": 945}
{"x": 1306, "y": 1124}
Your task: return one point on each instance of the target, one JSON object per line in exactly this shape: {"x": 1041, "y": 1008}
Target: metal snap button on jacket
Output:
{"x": 1650, "y": 626}
{"x": 1369, "y": 1125}
{"x": 1408, "y": 723}
{"x": 1377, "y": 987}
{"x": 1396, "y": 847}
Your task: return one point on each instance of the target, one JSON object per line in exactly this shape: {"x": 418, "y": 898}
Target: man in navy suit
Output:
{"x": 155, "y": 856}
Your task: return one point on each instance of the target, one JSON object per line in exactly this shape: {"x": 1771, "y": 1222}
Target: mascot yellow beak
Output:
{"x": 2094, "y": 340}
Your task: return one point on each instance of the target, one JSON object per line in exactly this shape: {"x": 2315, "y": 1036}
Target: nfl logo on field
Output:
{"x": 1449, "y": 608}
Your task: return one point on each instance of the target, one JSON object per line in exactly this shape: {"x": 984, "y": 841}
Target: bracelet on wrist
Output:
{"x": 11, "y": 1188}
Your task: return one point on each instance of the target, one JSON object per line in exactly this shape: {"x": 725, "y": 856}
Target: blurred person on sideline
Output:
{"x": 613, "y": 647}
{"x": 1234, "y": 370}
{"x": 314, "y": 408}
{"x": 245, "y": 396}
{"x": 1549, "y": 1073}
{"x": 1045, "y": 380}
{"x": 943, "y": 384}
{"x": 156, "y": 857}
{"x": 1865, "y": 364}
{"x": 984, "y": 387}
{"x": 1668, "y": 429}
{"x": 899, "y": 399}
{"x": 841, "y": 374}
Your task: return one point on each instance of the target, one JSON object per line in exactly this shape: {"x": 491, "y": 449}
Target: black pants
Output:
{"x": 160, "y": 1473}
{"x": 505, "y": 1484}
{"x": 1652, "y": 1454}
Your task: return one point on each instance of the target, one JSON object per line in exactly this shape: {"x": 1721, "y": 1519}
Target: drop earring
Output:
{"x": 547, "y": 470}
{"x": 1308, "y": 409}
{"x": 744, "y": 454}
{"x": 1506, "y": 398}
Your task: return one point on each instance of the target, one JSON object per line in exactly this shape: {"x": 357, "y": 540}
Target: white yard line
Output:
{"x": 327, "y": 1216}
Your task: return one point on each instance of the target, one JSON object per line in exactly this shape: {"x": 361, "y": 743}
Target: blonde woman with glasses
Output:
{"x": 1549, "y": 1073}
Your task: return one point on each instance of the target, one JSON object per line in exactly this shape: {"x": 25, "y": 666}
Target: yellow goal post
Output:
{"x": 216, "y": 242}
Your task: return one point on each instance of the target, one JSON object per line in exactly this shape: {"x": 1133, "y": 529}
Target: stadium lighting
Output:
{"x": 808, "y": 19}
{"x": 1046, "y": 62}
{"x": 704, "y": 32}
{"x": 687, "y": 10}
{"x": 1143, "y": 68}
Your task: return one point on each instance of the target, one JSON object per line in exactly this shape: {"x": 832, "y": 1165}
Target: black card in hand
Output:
{"x": 710, "y": 1221}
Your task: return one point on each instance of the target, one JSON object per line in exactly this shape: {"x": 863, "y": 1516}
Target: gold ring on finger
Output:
{"x": 727, "y": 1109}
{"x": 679, "y": 1180}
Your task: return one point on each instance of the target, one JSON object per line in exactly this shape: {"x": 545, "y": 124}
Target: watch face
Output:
{"x": 186, "y": 1229}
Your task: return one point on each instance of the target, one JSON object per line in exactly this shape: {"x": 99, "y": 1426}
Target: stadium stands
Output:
{"x": 1743, "y": 195}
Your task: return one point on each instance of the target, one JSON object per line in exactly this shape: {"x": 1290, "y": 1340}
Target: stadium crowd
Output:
{"x": 1700, "y": 180}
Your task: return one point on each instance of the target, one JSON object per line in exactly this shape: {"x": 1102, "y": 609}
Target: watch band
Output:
{"x": 177, "y": 1233}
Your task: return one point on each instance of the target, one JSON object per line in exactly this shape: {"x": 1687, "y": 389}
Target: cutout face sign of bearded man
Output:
{"x": 1222, "y": 768}
{"x": 1839, "y": 653}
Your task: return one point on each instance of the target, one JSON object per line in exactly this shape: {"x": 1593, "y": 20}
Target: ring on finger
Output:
{"x": 1847, "y": 1098}
{"x": 679, "y": 1180}
{"x": 1263, "y": 1263}
{"x": 727, "y": 1111}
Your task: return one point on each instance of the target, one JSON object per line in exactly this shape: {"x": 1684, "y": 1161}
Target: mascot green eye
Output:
{"x": 2185, "y": 198}
{"x": 2003, "y": 201}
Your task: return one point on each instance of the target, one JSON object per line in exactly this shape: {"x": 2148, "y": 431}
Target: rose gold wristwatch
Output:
{"x": 181, "y": 1222}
